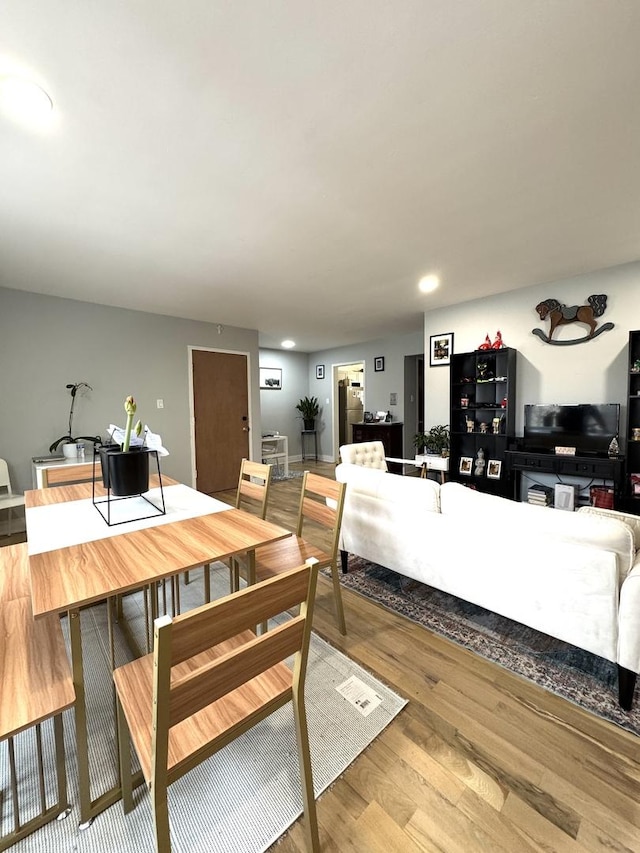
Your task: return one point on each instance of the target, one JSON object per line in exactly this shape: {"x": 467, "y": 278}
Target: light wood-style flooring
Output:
{"x": 479, "y": 760}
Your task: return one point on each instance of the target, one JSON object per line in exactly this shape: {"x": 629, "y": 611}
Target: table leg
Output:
{"x": 88, "y": 808}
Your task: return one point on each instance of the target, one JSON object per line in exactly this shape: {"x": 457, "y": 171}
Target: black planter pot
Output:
{"x": 125, "y": 473}
{"x": 309, "y": 423}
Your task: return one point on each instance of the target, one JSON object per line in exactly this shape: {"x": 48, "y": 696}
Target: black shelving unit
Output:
{"x": 632, "y": 492}
{"x": 482, "y": 416}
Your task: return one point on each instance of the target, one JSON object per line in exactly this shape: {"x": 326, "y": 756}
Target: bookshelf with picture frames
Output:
{"x": 632, "y": 492}
{"x": 482, "y": 418}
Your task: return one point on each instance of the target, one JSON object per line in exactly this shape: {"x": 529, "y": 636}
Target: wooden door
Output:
{"x": 221, "y": 415}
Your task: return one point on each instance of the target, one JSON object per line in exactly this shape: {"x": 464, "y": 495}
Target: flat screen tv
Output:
{"x": 589, "y": 427}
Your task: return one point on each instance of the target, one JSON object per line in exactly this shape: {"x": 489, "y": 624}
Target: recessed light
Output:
{"x": 288, "y": 344}
{"x": 24, "y": 101}
{"x": 429, "y": 283}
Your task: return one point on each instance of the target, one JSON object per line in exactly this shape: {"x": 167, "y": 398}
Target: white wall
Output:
{"x": 591, "y": 372}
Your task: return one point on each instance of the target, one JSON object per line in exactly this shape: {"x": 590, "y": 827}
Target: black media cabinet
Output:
{"x": 592, "y": 467}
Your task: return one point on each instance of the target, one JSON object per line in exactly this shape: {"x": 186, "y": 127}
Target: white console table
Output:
{"x": 275, "y": 451}
{"x": 38, "y": 467}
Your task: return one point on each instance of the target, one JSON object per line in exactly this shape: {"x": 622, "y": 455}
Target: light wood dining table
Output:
{"x": 76, "y": 559}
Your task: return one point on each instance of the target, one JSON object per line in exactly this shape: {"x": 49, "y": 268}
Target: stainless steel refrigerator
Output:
{"x": 350, "y": 410}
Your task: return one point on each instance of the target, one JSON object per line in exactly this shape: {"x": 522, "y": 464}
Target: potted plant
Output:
{"x": 125, "y": 469}
{"x": 308, "y": 408}
{"x": 435, "y": 442}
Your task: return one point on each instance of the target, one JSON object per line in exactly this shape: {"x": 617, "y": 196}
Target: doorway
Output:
{"x": 348, "y": 402}
{"x": 220, "y": 412}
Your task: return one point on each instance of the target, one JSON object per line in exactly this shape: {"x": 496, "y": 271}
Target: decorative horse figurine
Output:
{"x": 560, "y": 315}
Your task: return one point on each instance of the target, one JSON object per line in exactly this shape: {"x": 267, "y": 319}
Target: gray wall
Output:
{"x": 377, "y": 385}
{"x": 46, "y": 342}
{"x": 278, "y": 408}
{"x": 591, "y": 372}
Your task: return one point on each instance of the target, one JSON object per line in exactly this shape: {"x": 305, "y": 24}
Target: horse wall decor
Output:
{"x": 559, "y": 315}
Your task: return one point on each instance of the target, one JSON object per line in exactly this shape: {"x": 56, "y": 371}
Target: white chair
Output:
{"x": 7, "y": 498}
{"x": 370, "y": 454}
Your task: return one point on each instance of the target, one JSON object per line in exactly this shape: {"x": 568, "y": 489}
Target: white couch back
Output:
{"x": 369, "y": 454}
{"x": 494, "y": 513}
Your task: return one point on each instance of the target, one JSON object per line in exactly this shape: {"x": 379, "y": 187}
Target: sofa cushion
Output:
{"x": 421, "y": 493}
{"x": 480, "y": 509}
{"x": 632, "y": 521}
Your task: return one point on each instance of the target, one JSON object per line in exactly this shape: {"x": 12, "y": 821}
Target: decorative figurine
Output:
{"x": 470, "y": 424}
{"x": 484, "y": 427}
{"x": 497, "y": 344}
{"x": 478, "y": 471}
{"x": 635, "y": 367}
{"x": 503, "y": 404}
{"x": 495, "y": 423}
{"x": 464, "y": 402}
{"x": 486, "y": 344}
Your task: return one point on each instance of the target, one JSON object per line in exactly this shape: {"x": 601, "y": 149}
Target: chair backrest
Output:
{"x": 67, "y": 474}
{"x": 5, "y": 482}
{"x": 194, "y": 633}
{"x": 369, "y": 454}
{"x": 322, "y": 501}
{"x": 254, "y": 484}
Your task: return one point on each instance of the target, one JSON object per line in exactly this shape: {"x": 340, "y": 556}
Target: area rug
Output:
{"x": 292, "y": 475}
{"x": 589, "y": 681}
{"x": 242, "y": 799}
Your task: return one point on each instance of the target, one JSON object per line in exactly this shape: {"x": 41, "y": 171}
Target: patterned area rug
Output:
{"x": 573, "y": 673}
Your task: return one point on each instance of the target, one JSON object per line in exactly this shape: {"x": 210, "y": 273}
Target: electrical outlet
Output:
{"x": 393, "y": 399}
{"x": 160, "y": 404}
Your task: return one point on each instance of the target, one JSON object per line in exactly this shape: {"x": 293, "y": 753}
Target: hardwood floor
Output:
{"x": 479, "y": 760}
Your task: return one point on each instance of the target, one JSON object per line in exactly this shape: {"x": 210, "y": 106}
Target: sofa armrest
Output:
{"x": 629, "y": 621}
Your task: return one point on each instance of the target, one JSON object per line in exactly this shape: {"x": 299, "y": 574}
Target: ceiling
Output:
{"x": 297, "y": 166}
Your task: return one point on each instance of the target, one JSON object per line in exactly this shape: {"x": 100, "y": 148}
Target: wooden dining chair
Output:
{"x": 252, "y": 493}
{"x": 321, "y": 503}
{"x": 210, "y": 679}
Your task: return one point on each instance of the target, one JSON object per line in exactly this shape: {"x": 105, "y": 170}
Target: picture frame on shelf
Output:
{"x": 319, "y": 371}
{"x": 378, "y": 363}
{"x": 271, "y": 378}
{"x": 440, "y": 349}
{"x": 494, "y": 469}
{"x": 466, "y": 465}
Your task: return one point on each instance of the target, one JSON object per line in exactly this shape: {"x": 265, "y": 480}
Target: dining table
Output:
{"x": 76, "y": 560}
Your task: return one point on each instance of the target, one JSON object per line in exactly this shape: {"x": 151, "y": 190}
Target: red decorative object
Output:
{"x": 486, "y": 344}
{"x": 497, "y": 344}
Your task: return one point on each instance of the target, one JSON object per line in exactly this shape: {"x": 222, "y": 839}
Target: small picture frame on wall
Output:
{"x": 378, "y": 363}
{"x": 319, "y": 371}
{"x": 466, "y": 464}
{"x": 440, "y": 349}
{"x": 494, "y": 469}
{"x": 271, "y": 378}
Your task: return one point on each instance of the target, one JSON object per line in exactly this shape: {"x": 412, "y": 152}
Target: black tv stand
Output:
{"x": 592, "y": 467}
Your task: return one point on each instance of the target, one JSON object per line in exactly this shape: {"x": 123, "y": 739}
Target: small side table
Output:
{"x": 304, "y": 433}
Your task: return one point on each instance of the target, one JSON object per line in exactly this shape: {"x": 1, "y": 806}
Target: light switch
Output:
{"x": 160, "y": 404}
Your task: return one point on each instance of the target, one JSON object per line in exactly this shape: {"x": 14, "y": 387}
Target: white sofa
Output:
{"x": 575, "y": 576}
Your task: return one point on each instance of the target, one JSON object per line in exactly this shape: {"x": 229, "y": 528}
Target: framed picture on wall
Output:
{"x": 440, "y": 349}
{"x": 319, "y": 371}
{"x": 271, "y": 378}
{"x": 378, "y": 363}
